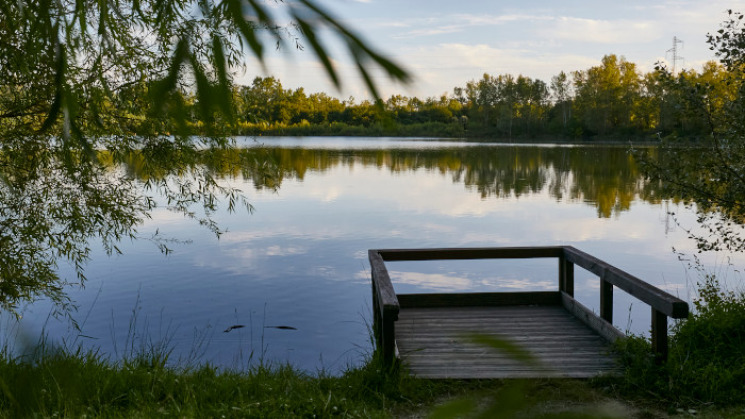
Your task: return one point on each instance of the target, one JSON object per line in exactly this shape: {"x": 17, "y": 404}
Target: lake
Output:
{"x": 294, "y": 273}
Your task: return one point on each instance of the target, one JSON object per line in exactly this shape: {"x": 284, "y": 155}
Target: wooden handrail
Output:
{"x": 470, "y": 253}
{"x": 654, "y": 297}
{"x": 663, "y": 304}
{"x": 386, "y": 306}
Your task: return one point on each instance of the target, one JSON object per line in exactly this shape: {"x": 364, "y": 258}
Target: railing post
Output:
{"x": 606, "y": 300}
{"x": 388, "y": 340}
{"x": 659, "y": 334}
{"x": 377, "y": 314}
{"x": 566, "y": 276}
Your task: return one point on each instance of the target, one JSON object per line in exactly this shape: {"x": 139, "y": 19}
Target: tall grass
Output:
{"x": 706, "y": 363}
{"x": 63, "y": 383}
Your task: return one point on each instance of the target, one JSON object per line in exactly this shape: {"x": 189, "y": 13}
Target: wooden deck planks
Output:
{"x": 433, "y": 343}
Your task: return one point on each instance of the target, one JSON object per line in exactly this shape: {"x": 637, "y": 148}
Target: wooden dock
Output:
{"x": 434, "y": 334}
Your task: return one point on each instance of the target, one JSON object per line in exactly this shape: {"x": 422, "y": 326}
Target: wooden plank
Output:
{"x": 584, "y": 314}
{"x": 470, "y": 371}
{"x": 588, "y": 352}
{"x": 435, "y": 347}
{"x": 655, "y": 297}
{"x": 470, "y": 253}
{"x": 504, "y": 363}
{"x": 480, "y": 374}
{"x": 527, "y": 329}
{"x": 475, "y": 316}
{"x": 504, "y": 311}
{"x": 421, "y": 338}
{"x": 479, "y": 299}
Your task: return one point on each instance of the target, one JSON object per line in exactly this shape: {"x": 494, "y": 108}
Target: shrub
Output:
{"x": 706, "y": 363}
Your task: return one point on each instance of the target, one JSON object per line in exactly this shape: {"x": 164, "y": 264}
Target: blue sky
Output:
{"x": 445, "y": 44}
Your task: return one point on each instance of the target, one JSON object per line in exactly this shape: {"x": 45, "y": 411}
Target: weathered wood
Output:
{"x": 470, "y": 253}
{"x": 566, "y": 275}
{"x": 479, "y": 299}
{"x": 584, "y": 314}
{"x": 432, "y": 330}
{"x": 385, "y": 306}
{"x": 606, "y": 300}
{"x": 659, "y": 334}
{"x": 509, "y": 313}
{"x": 653, "y": 296}
{"x": 387, "y": 298}
{"x": 442, "y": 348}
{"x": 416, "y": 340}
{"x": 442, "y": 342}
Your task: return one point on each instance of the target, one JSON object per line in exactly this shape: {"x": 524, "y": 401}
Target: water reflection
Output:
{"x": 605, "y": 177}
{"x": 300, "y": 258}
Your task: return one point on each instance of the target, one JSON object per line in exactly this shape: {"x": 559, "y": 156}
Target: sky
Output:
{"x": 445, "y": 44}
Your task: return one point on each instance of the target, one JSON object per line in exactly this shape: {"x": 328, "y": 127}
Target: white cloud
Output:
{"x": 442, "y": 67}
{"x": 437, "y": 25}
{"x": 285, "y": 251}
{"x": 602, "y": 31}
{"x": 431, "y": 281}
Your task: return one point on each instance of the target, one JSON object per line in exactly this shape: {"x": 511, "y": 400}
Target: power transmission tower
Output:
{"x": 674, "y": 51}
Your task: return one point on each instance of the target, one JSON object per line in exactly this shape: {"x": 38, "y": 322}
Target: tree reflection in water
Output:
{"x": 54, "y": 206}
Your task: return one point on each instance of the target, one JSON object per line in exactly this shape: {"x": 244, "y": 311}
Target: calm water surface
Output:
{"x": 295, "y": 272}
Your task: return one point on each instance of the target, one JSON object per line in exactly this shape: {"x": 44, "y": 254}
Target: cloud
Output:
{"x": 439, "y": 25}
{"x": 431, "y": 281}
{"x": 276, "y": 250}
{"x": 445, "y": 282}
{"x": 441, "y": 67}
{"x": 603, "y": 31}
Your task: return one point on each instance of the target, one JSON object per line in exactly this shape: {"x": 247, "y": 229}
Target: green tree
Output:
{"x": 88, "y": 87}
{"x": 561, "y": 88}
{"x": 711, "y": 175}
{"x": 605, "y": 94}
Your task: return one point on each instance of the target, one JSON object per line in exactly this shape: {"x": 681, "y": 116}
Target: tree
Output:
{"x": 604, "y": 95}
{"x": 712, "y": 174}
{"x": 561, "y": 88}
{"x": 91, "y": 89}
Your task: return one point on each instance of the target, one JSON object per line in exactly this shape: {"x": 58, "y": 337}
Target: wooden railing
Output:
{"x": 386, "y": 303}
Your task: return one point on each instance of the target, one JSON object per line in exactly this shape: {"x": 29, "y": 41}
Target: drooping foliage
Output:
{"x": 88, "y": 88}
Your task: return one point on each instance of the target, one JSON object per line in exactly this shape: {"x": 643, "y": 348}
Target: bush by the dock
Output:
{"x": 706, "y": 363}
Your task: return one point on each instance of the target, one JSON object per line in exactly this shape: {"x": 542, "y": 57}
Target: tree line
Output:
{"x": 612, "y": 100}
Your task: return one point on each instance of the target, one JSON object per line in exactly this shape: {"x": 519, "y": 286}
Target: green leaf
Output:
{"x": 224, "y": 96}
{"x": 319, "y": 50}
{"x": 515, "y": 351}
{"x": 60, "y": 67}
{"x": 235, "y": 11}
{"x": 160, "y": 88}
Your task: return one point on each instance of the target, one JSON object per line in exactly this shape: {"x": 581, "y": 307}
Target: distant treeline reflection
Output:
{"x": 606, "y": 177}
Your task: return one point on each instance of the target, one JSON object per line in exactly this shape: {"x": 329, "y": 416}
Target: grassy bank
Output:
{"x": 63, "y": 384}
{"x": 75, "y": 384}
{"x": 704, "y": 376}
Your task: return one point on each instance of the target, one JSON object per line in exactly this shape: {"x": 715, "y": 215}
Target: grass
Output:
{"x": 704, "y": 376}
{"x": 64, "y": 384}
{"x": 60, "y": 383}
{"x": 706, "y": 364}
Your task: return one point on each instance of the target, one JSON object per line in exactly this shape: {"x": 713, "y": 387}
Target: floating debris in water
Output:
{"x": 235, "y": 326}
{"x": 280, "y": 327}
